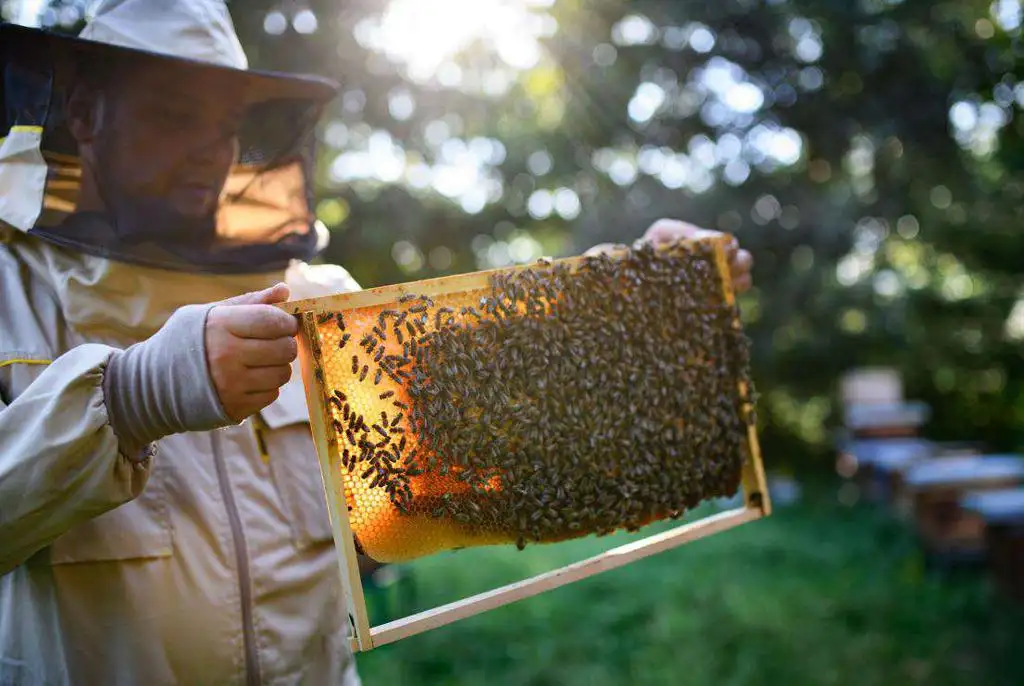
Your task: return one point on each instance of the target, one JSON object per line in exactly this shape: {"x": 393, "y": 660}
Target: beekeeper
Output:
{"x": 162, "y": 517}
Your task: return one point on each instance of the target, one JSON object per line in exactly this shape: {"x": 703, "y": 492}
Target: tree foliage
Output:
{"x": 868, "y": 152}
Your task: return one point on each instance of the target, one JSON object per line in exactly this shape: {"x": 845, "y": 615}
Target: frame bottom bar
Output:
{"x": 611, "y": 559}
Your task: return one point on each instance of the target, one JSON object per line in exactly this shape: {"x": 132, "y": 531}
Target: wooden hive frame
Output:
{"x": 756, "y": 502}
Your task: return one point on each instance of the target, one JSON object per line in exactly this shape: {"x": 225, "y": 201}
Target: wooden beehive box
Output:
{"x": 881, "y": 464}
{"x": 870, "y": 385}
{"x": 877, "y": 421}
{"x": 894, "y": 420}
{"x": 934, "y": 489}
{"x": 890, "y": 462}
{"x": 894, "y": 475}
{"x": 1001, "y": 513}
{"x": 529, "y": 406}
{"x": 876, "y": 458}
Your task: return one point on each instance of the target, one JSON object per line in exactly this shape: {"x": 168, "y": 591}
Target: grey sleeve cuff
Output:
{"x": 162, "y": 386}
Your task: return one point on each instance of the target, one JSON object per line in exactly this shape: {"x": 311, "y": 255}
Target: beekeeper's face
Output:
{"x": 161, "y": 136}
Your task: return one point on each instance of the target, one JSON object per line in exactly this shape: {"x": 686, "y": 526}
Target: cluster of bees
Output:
{"x": 561, "y": 402}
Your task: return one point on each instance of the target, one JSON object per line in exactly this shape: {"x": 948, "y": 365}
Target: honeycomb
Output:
{"x": 555, "y": 403}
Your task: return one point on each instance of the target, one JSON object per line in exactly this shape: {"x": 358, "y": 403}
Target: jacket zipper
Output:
{"x": 257, "y": 431}
{"x": 252, "y": 666}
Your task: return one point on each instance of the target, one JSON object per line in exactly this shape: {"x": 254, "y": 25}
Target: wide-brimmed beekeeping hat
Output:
{"x": 186, "y": 52}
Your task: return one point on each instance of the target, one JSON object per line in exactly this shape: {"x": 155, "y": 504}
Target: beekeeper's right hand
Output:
{"x": 209, "y": 366}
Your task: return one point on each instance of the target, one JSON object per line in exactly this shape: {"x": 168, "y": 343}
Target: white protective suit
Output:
{"x": 210, "y": 560}
{"x": 212, "y": 563}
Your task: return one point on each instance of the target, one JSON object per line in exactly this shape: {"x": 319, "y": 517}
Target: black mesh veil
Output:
{"x": 156, "y": 160}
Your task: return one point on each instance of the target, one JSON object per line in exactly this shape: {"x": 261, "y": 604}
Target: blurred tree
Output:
{"x": 869, "y": 153}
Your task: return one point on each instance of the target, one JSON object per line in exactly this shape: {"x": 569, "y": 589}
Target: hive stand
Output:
{"x": 366, "y": 637}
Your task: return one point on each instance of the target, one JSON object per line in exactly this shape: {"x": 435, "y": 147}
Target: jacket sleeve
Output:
{"x": 60, "y": 461}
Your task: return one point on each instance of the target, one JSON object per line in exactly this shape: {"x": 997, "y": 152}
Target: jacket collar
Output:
{"x": 118, "y": 303}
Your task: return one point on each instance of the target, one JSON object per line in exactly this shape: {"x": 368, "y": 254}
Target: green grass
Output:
{"x": 817, "y": 594}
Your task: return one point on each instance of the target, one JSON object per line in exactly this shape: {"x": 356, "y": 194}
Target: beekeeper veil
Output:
{"x": 147, "y": 140}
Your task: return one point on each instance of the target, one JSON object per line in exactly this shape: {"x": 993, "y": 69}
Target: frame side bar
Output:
{"x": 753, "y": 480}
{"x": 326, "y": 448}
